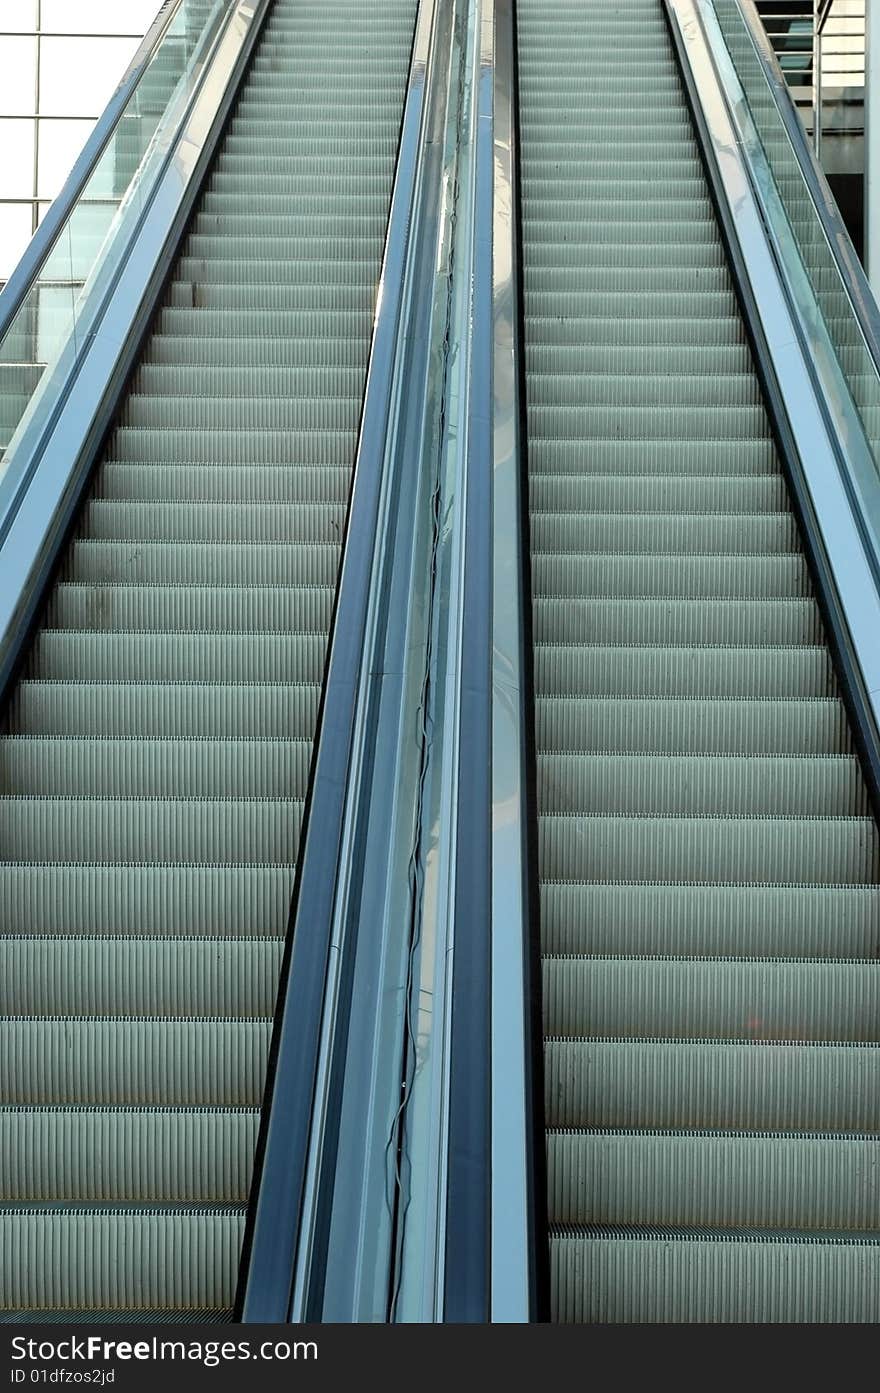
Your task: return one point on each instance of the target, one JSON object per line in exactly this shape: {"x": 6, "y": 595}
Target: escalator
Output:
{"x": 708, "y": 860}
{"x": 156, "y": 750}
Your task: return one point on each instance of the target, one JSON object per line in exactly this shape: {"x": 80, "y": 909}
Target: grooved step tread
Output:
{"x": 753, "y": 1180}
{"x": 709, "y": 866}
{"x": 156, "y": 752}
{"x": 126, "y": 1156}
{"x": 626, "y": 1276}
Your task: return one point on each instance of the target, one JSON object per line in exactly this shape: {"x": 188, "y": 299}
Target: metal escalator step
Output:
{"x": 107, "y": 1260}
{"x": 673, "y": 158}
{"x": 791, "y": 921}
{"x": 191, "y": 349}
{"x": 204, "y": 272}
{"x": 560, "y": 198}
{"x": 666, "y": 493}
{"x": 569, "y": 274}
{"x": 800, "y": 849}
{"x": 322, "y": 296}
{"x": 622, "y": 237}
{"x": 609, "y": 330}
{"x": 590, "y": 74}
{"x": 173, "y": 380}
{"x": 246, "y": 167}
{"x": 113, "y": 520}
{"x": 230, "y": 193}
{"x": 201, "y": 563}
{"x": 784, "y": 575}
{"x": 274, "y": 327}
{"x": 297, "y": 48}
{"x": 228, "y": 232}
{"x": 571, "y": 421}
{"x": 671, "y": 532}
{"x": 359, "y": 40}
{"x": 680, "y": 1276}
{"x": 750, "y": 1084}
{"x": 241, "y": 483}
{"x": 562, "y": 20}
{"x": 292, "y": 413}
{"x": 633, "y": 391}
{"x": 692, "y": 457}
{"x": 251, "y": 148}
{"x": 133, "y": 976}
{"x": 70, "y": 656}
{"x": 707, "y": 997}
{"x": 584, "y": 360}
{"x": 93, "y": 901}
{"x": 654, "y": 785}
{"x": 143, "y": 768}
{"x": 562, "y": 302}
{"x": 301, "y": 118}
{"x": 171, "y": 1063}
{"x": 208, "y": 445}
{"x": 307, "y": 99}
{"x": 732, "y": 1180}
{"x": 314, "y": 71}
{"x": 334, "y": 184}
{"x": 185, "y": 609}
{"x": 679, "y": 621}
{"x": 126, "y": 1155}
{"x": 674, "y": 148}
{"x": 546, "y": 115}
{"x": 687, "y": 726}
{"x": 597, "y": 670}
{"x": 174, "y": 831}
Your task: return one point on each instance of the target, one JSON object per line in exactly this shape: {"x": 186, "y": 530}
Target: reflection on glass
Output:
{"x": 831, "y": 294}
{"x": 89, "y": 243}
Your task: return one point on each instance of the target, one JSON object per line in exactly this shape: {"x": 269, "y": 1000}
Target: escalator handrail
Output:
{"x": 846, "y": 258}
{"x": 17, "y": 288}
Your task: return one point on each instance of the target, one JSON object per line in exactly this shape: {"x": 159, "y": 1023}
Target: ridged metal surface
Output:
{"x": 709, "y": 865}
{"x": 685, "y": 1276}
{"x": 158, "y": 746}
